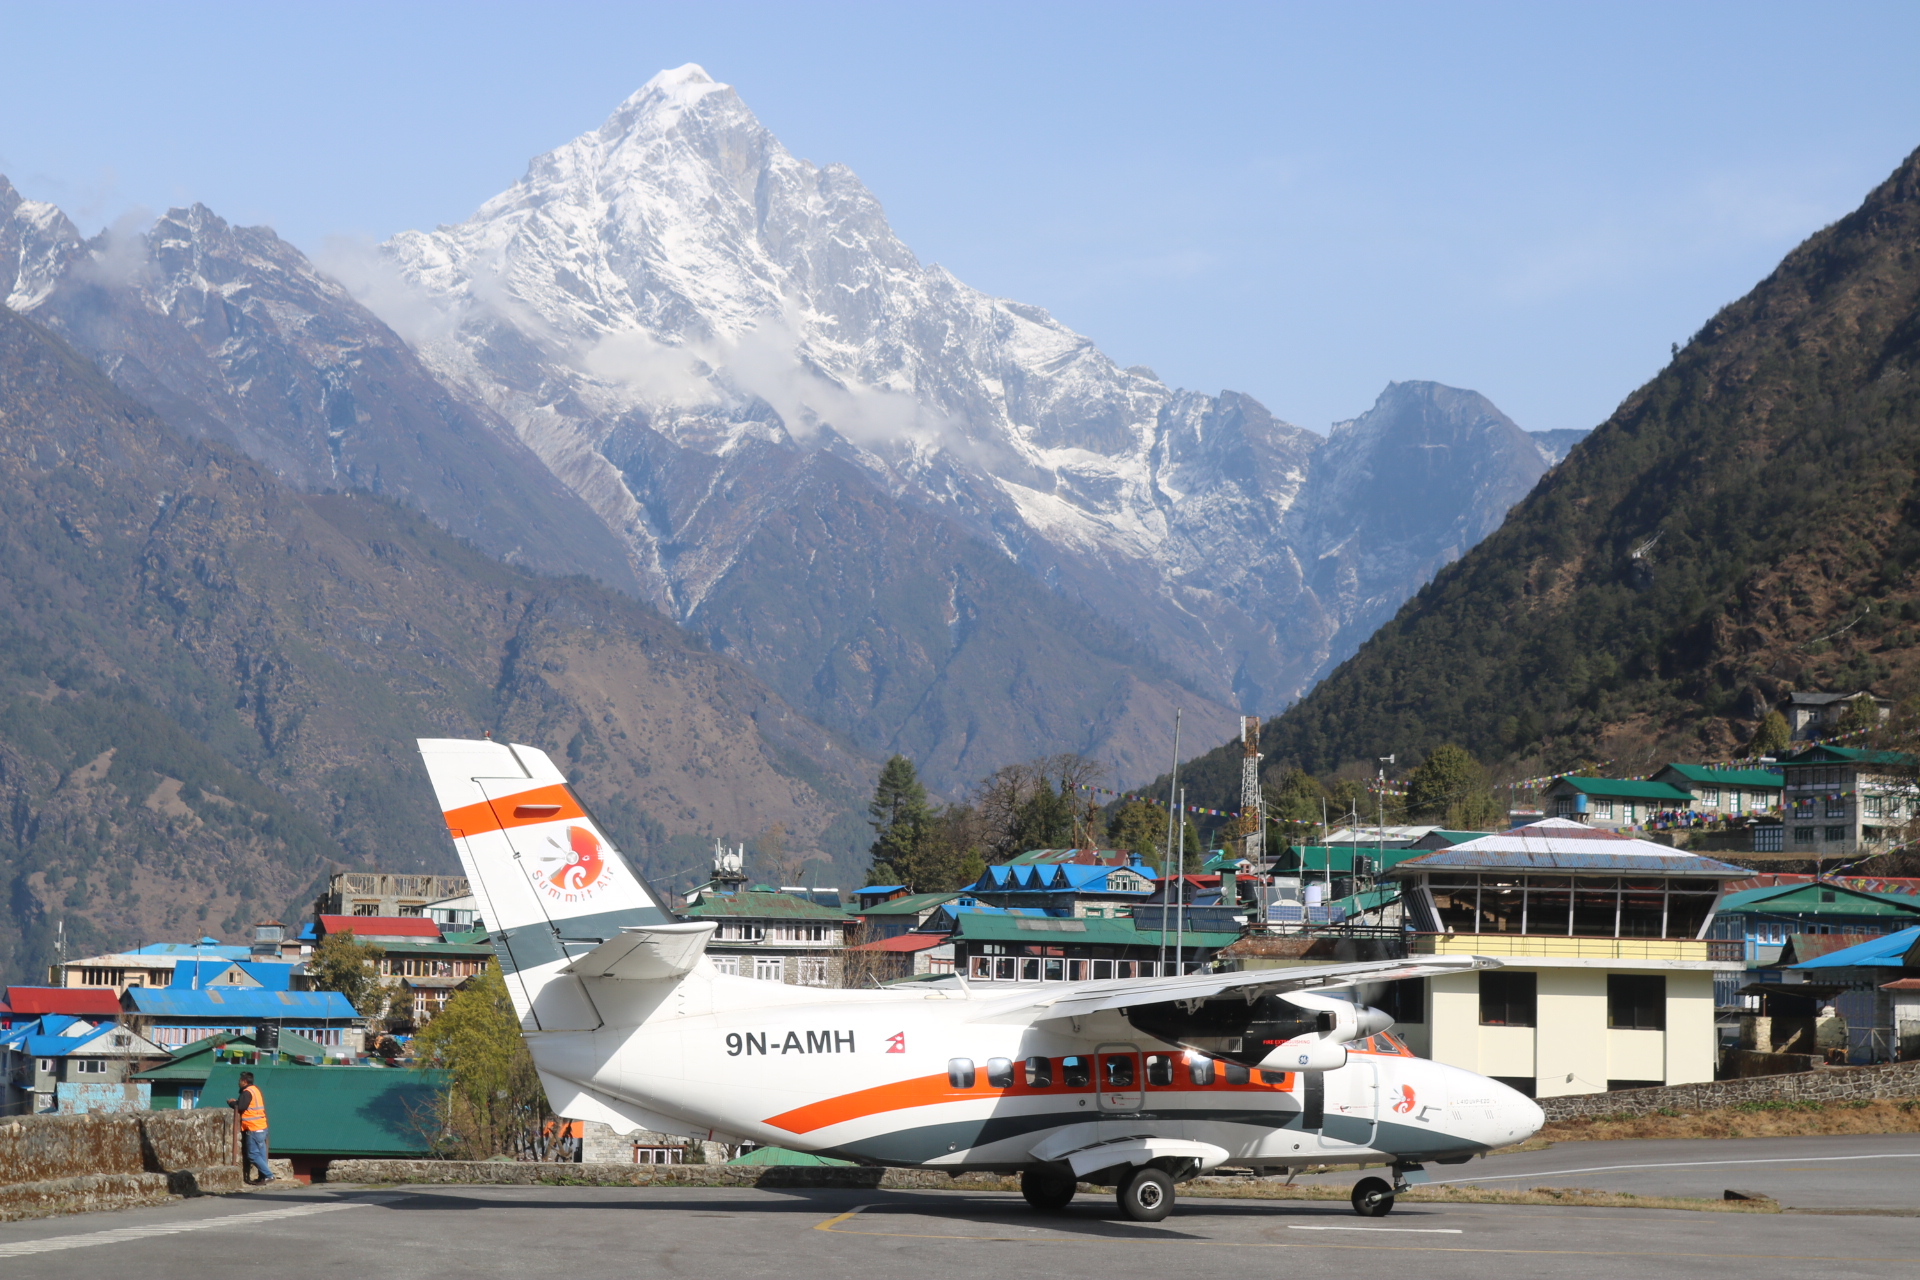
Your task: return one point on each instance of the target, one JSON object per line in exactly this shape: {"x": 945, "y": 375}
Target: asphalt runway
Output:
{"x": 517, "y": 1232}
{"x": 1871, "y": 1171}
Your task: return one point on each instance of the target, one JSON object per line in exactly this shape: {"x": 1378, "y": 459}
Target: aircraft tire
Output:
{"x": 1373, "y": 1197}
{"x": 1048, "y": 1189}
{"x": 1146, "y": 1195}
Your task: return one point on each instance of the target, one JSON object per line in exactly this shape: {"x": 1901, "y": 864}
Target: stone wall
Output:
{"x": 65, "y": 1164}
{"x": 1828, "y": 1084}
{"x": 644, "y": 1175}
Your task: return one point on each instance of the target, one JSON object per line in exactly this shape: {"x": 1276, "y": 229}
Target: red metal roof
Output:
{"x": 382, "y": 926}
{"x": 907, "y": 942}
{"x": 76, "y": 1001}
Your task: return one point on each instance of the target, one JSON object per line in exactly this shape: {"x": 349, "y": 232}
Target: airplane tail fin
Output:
{"x": 545, "y": 875}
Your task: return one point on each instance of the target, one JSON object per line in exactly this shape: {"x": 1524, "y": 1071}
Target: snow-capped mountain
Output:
{"x": 684, "y": 320}
{"x": 231, "y": 333}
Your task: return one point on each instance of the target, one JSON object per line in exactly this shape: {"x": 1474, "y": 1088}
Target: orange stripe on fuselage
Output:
{"x": 926, "y": 1091}
{"x": 498, "y": 815}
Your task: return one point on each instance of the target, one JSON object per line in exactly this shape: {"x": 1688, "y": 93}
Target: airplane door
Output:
{"x": 1353, "y": 1107}
{"x": 1119, "y": 1079}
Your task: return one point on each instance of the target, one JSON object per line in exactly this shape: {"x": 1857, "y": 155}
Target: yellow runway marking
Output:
{"x": 832, "y": 1225}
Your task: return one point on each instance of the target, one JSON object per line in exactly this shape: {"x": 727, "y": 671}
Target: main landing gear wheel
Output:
{"x": 1048, "y": 1189}
{"x": 1146, "y": 1195}
{"x": 1373, "y": 1197}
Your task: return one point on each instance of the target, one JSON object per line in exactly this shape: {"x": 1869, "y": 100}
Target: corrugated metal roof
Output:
{"x": 1060, "y": 878}
{"x": 80, "y": 1001}
{"x": 445, "y": 950}
{"x": 1804, "y": 899}
{"x": 1624, "y": 789}
{"x": 363, "y": 927}
{"x": 249, "y": 1003}
{"x": 1313, "y": 857}
{"x": 1727, "y": 777}
{"x": 1888, "y": 951}
{"x": 912, "y": 904}
{"x": 1824, "y": 754}
{"x": 762, "y": 904}
{"x": 1557, "y": 844}
{"x": 1056, "y": 931}
{"x": 905, "y": 943}
{"x": 272, "y": 975}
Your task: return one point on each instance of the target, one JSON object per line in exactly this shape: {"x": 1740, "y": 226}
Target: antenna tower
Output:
{"x": 1253, "y": 806}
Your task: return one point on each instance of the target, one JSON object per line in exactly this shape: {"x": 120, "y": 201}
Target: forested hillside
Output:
{"x": 210, "y": 684}
{"x": 1745, "y": 523}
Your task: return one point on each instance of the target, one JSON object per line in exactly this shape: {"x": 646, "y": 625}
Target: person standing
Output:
{"x": 253, "y": 1126}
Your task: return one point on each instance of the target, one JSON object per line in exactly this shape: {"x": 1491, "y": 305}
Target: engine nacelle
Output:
{"x": 1309, "y": 1054}
{"x": 1298, "y": 1031}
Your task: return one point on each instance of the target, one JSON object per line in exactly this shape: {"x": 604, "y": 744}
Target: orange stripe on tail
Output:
{"x": 541, "y": 804}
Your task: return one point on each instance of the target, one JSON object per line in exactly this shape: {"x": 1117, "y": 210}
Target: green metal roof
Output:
{"x": 1824, "y": 754}
{"x": 196, "y": 1061}
{"x": 912, "y": 904}
{"x": 762, "y": 904}
{"x": 1625, "y": 789}
{"x": 1804, "y": 899}
{"x": 1371, "y": 900}
{"x": 1727, "y": 777}
{"x": 464, "y": 936}
{"x": 445, "y": 950}
{"x": 1059, "y": 931}
{"x": 1313, "y": 857}
{"x": 782, "y": 1156}
{"x": 367, "y": 1112}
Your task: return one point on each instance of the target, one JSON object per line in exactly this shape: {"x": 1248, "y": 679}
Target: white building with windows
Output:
{"x": 1846, "y": 800}
{"x": 770, "y": 934}
{"x": 1607, "y": 960}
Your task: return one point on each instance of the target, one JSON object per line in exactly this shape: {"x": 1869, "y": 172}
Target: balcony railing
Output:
{"x": 1558, "y": 947}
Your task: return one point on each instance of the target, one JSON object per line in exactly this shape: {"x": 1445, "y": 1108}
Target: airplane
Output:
{"x": 1134, "y": 1084}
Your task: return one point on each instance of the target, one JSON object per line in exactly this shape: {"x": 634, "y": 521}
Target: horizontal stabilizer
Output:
{"x": 645, "y": 953}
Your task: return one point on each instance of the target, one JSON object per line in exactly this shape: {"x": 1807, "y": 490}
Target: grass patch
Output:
{"x": 1782, "y": 1118}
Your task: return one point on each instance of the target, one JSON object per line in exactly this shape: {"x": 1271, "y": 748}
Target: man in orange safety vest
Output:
{"x": 253, "y": 1125}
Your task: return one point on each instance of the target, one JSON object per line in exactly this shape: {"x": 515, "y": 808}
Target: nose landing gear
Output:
{"x": 1373, "y": 1197}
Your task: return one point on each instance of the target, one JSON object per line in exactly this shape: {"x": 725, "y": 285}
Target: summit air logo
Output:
{"x": 576, "y": 871}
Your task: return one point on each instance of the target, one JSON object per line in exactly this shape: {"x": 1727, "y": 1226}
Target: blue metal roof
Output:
{"x": 1888, "y": 951}
{"x": 205, "y": 949}
{"x": 1059, "y": 877}
{"x": 245, "y": 1003}
{"x": 59, "y": 1046}
{"x": 272, "y": 975}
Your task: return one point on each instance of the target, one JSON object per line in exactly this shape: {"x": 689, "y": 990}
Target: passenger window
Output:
{"x": 1200, "y": 1070}
{"x": 1159, "y": 1070}
{"x": 1030, "y": 969}
{"x": 1056, "y": 970}
{"x": 1102, "y": 970}
{"x": 960, "y": 1072}
{"x": 1118, "y": 1068}
{"x": 1000, "y": 1073}
{"x": 1236, "y": 1074}
{"x": 1075, "y": 1073}
{"x": 1039, "y": 1073}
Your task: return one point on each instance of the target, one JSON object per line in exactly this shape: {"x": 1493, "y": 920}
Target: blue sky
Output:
{"x": 1299, "y": 202}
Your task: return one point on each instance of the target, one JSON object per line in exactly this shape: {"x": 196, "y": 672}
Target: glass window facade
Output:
{"x": 1572, "y": 906}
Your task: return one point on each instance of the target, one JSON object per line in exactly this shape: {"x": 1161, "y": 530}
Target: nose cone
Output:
{"x": 1372, "y": 1021}
{"x": 1521, "y": 1114}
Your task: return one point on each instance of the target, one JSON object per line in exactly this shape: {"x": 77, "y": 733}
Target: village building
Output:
{"x": 57, "y": 1063}
{"x": 1868, "y": 977}
{"x": 179, "y": 1015}
{"x": 1815, "y": 715}
{"x": 764, "y": 933}
{"x": 382, "y": 893}
{"x": 1846, "y": 800}
{"x": 1613, "y": 803}
{"x": 1608, "y": 968}
{"x": 1105, "y": 890}
{"x": 1725, "y": 793}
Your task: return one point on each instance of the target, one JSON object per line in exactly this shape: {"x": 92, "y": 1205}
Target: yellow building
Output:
{"x": 1607, "y": 980}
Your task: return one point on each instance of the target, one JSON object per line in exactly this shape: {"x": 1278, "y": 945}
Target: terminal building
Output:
{"x": 1608, "y": 973}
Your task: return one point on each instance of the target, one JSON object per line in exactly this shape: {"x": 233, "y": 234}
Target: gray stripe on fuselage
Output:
{"x": 529, "y": 946}
{"x": 929, "y": 1142}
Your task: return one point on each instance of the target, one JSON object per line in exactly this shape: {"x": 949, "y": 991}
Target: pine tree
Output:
{"x": 900, "y": 815}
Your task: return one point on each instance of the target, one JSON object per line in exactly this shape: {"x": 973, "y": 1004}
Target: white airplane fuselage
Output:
{"x": 871, "y": 1076}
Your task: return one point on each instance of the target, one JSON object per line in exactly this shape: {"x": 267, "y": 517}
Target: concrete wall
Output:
{"x": 64, "y": 1164}
{"x": 1570, "y": 1049}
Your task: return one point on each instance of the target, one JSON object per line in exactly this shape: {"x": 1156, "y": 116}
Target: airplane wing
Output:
{"x": 1078, "y": 1000}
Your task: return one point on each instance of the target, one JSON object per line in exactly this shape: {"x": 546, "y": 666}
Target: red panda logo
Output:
{"x": 583, "y": 869}
{"x": 1406, "y": 1102}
